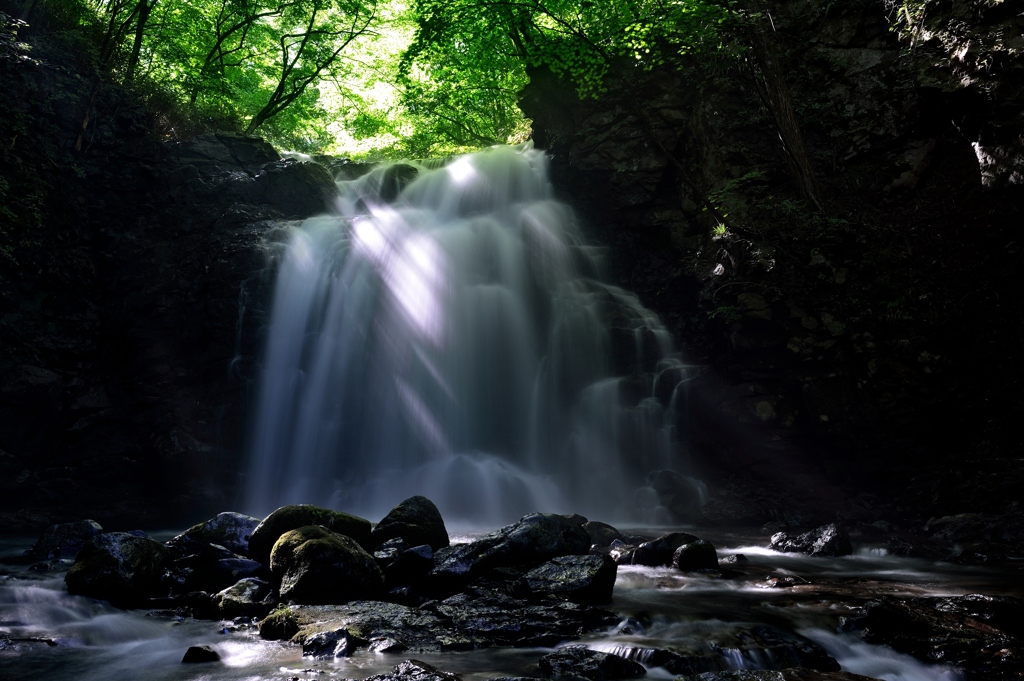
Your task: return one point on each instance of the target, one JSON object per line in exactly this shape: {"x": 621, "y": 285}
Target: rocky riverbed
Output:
{"x": 314, "y": 593}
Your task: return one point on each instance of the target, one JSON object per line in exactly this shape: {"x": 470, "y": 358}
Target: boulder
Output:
{"x": 477, "y": 618}
{"x": 416, "y": 520}
{"x": 279, "y": 625}
{"x": 388, "y": 552}
{"x": 601, "y": 534}
{"x": 230, "y": 530}
{"x": 216, "y": 575}
{"x": 288, "y": 518}
{"x": 64, "y": 540}
{"x": 119, "y": 567}
{"x": 536, "y": 538}
{"x": 621, "y": 552}
{"x": 582, "y": 579}
{"x": 410, "y": 565}
{"x": 697, "y": 555}
{"x": 298, "y": 190}
{"x": 198, "y": 654}
{"x": 828, "y": 540}
{"x": 580, "y": 661}
{"x": 226, "y": 150}
{"x": 249, "y": 597}
{"x": 981, "y": 635}
{"x": 660, "y": 551}
{"x": 330, "y": 644}
{"x": 317, "y": 566}
{"x": 414, "y": 670}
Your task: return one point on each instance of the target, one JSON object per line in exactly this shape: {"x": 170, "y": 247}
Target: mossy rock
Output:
{"x": 288, "y": 518}
{"x": 120, "y": 567}
{"x": 280, "y": 625}
{"x": 315, "y": 566}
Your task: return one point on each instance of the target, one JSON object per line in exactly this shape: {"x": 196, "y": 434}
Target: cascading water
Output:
{"x": 458, "y": 343}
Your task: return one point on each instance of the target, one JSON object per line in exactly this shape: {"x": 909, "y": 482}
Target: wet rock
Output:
{"x": 394, "y": 179}
{"x": 119, "y": 567}
{"x": 537, "y": 537}
{"x": 730, "y": 646}
{"x": 330, "y": 644}
{"x": 827, "y": 540}
{"x": 314, "y": 565}
{"x": 582, "y": 579}
{"x": 292, "y": 517}
{"x": 783, "y": 582}
{"x": 697, "y": 555}
{"x": 225, "y": 150}
{"x": 798, "y": 674}
{"x": 386, "y": 645}
{"x": 388, "y": 552}
{"x": 298, "y": 190}
{"x": 478, "y": 618}
{"x": 414, "y": 670}
{"x": 621, "y": 552}
{"x": 410, "y": 565}
{"x": 601, "y": 534}
{"x": 416, "y": 520}
{"x": 416, "y": 628}
{"x": 977, "y": 633}
{"x": 249, "y": 597}
{"x": 230, "y": 530}
{"x": 660, "y": 551}
{"x": 215, "y": 575}
{"x": 581, "y": 661}
{"x": 735, "y": 559}
{"x": 64, "y": 540}
{"x": 198, "y": 654}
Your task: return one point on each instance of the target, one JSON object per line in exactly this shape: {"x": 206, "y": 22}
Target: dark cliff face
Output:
{"x": 863, "y": 356}
{"x": 135, "y": 285}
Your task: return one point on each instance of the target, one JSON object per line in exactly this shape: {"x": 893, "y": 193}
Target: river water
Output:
{"x": 45, "y": 633}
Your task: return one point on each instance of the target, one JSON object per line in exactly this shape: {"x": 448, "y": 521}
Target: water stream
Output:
{"x": 55, "y": 635}
{"x": 458, "y": 341}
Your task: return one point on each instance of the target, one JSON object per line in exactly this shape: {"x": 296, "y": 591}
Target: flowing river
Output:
{"x": 49, "y": 634}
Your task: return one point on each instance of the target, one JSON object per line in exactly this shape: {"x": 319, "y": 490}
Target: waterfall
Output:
{"x": 456, "y": 341}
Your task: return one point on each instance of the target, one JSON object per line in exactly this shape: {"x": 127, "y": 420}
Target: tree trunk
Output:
{"x": 774, "y": 93}
{"x": 143, "y": 11}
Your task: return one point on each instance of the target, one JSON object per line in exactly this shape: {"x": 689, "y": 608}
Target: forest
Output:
{"x": 401, "y": 80}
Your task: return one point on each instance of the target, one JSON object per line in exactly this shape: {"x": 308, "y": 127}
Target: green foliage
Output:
{"x": 235, "y": 64}
{"x": 429, "y": 78}
{"x": 470, "y": 58}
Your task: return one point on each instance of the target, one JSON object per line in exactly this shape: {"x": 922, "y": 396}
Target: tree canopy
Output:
{"x": 384, "y": 77}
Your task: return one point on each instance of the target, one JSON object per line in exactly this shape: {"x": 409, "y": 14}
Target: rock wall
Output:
{"x": 132, "y": 304}
{"x": 860, "y": 357}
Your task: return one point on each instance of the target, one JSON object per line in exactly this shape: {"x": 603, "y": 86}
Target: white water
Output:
{"x": 682, "y": 612}
{"x": 457, "y": 343}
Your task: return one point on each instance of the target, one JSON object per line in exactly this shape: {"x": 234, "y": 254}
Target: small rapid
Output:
{"x": 671, "y": 622}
